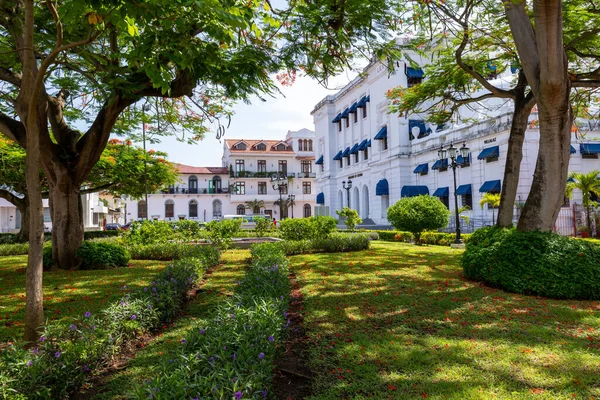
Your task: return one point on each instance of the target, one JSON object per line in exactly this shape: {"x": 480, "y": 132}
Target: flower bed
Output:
{"x": 66, "y": 355}
{"x": 233, "y": 356}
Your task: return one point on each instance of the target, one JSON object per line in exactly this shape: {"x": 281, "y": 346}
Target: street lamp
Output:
{"x": 347, "y": 190}
{"x": 453, "y": 153}
{"x": 291, "y": 198}
{"x": 279, "y": 182}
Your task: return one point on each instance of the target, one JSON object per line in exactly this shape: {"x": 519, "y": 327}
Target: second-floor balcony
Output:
{"x": 185, "y": 190}
{"x": 272, "y": 174}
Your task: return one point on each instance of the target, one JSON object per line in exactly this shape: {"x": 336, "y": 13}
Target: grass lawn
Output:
{"x": 399, "y": 321}
{"x": 66, "y": 293}
{"x": 219, "y": 285}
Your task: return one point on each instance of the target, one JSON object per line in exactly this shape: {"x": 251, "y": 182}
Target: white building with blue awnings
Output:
{"x": 388, "y": 156}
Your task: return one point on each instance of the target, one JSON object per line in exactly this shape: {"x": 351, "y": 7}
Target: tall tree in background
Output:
{"x": 588, "y": 184}
{"x": 117, "y": 172}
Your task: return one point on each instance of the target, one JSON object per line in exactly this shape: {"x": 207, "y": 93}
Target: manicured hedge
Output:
{"x": 88, "y": 235}
{"x": 95, "y": 255}
{"x": 539, "y": 263}
{"x": 336, "y": 243}
{"x": 67, "y": 354}
{"x": 173, "y": 251}
{"x": 15, "y": 249}
{"x": 232, "y": 356}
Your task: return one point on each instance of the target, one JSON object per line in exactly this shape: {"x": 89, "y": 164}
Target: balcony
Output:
{"x": 179, "y": 190}
{"x": 250, "y": 174}
{"x": 306, "y": 175}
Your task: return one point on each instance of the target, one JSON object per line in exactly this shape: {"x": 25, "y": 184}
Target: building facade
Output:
{"x": 208, "y": 193}
{"x": 387, "y": 156}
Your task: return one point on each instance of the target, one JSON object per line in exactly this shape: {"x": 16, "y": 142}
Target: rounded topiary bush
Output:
{"x": 418, "y": 214}
{"x": 100, "y": 255}
{"x": 539, "y": 263}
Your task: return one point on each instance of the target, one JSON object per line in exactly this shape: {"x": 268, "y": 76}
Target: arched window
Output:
{"x": 261, "y": 147}
{"x": 217, "y": 207}
{"x": 142, "y": 210}
{"x": 307, "y": 210}
{"x": 300, "y": 148}
{"x": 241, "y": 209}
{"x": 217, "y": 183}
{"x": 193, "y": 184}
{"x": 169, "y": 209}
{"x": 193, "y": 209}
{"x": 310, "y": 145}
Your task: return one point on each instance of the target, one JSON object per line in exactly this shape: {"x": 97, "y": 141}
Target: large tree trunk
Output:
{"x": 67, "y": 222}
{"x": 23, "y": 235}
{"x": 514, "y": 157}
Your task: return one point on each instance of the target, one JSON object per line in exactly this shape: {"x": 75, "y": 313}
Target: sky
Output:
{"x": 259, "y": 120}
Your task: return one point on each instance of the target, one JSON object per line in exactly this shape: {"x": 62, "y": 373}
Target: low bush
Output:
{"x": 342, "y": 242}
{"x": 296, "y": 229}
{"x": 539, "y": 263}
{"x": 148, "y": 232}
{"x": 100, "y": 234}
{"x": 418, "y": 214}
{"x": 15, "y": 249}
{"x": 66, "y": 355}
{"x": 209, "y": 254}
{"x": 220, "y": 233}
{"x": 323, "y": 226}
{"x": 388, "y": 236}
{"x": 101, "y": 255}
{"x": 406, "y": 237}
{"x": 351, "y": 218}
{"x": 233, "y": 355}
{"x": 263, "y": 225}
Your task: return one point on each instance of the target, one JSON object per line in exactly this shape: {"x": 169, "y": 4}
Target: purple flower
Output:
{"x": 271, "y": 338}
{"x": 264, "y": 393}
{"x": 87, "y": 314}
{"x": 42, "y": 339}
{"x": 261, "y": 356}
{"x": 86, "y": 368}
{"x": 29, "y": 363}
{"x": 149, "y": 307}
{"x": 183, "y": 341}
{"x": 285, "y": 314}
{"x": 57, "y": 354}
{"x": 202, "y": 331}
{"x": 211, "y": 360}
{"x": 224, "y": 347}
{"x": 154, "y": 289}
{"x": 36, "y": 351}
{"x": 234, "y": 356}
{"x": 238, "y": 395}
{"x": 133, "y": 316}
{"x": 72, "y": 327}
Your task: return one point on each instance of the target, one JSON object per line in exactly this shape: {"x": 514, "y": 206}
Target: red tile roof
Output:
{"x": 251, "y": 143}
{"x": 188, "y": 169}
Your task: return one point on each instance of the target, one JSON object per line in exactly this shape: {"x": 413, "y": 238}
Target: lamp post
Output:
{"x": 279, "y": 182}
{"x": 347, "y": 187}
{"x": 452, "y": 152}
{"x": 145, "y": 107}
{"x": 291, "y": 198}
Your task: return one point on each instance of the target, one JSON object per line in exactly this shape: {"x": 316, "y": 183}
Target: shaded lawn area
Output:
{"x": 157, "y": 354}
{"x": 67, "y": 294}
{"x": 399, "y": 321}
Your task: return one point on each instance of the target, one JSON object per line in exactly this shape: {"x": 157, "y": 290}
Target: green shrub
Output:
{"x": 186, "y": 230}
{"x": 263, "y": 225}
{"x": 220, "y": 233}
{"x": 210, "y": 256}
{"x": 15, "y": 249}
{"x": 100, "y": 255}
{"x": 406, "y": 237}
{"x": 351, "y": 218}
{"x": 148, "y": 232}
{"x": 296, "y": 229}
{"x": 388, "y": 236}
{"x": 419, "y": 213}
{"x": 293, "y": 247}
{"x": 341, "y": 242}
{"x": 100, "y": 234}
{"x": 323, "y": 226}
{"x": 539, "y": 263}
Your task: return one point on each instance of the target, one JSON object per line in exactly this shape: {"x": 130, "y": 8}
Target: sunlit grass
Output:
{"x": 67, "y": 294}
{"x": 400, "y": 321}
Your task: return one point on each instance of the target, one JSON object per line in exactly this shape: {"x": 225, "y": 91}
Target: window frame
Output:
{"x": 306, "y": 188}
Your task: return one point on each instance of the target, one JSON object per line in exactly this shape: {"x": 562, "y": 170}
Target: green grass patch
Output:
{"x": 217, "y": 288}
{"x": 400, "y": 321}
{"x": 67, "y": 294}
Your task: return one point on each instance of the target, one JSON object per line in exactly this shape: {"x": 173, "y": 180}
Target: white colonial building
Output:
{"x": 207, "y": 193}
{"x": 387, "y": 156}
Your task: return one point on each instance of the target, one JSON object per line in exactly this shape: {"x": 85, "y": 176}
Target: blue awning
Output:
{"x": 570, "y": 180}
{"x": 440, "y": 164}
{"x": 369, "y": 143}
{"x": 338, "y": 156}
{"x": 346, "y": 152}
{"x": 382, "y": 188}
{"x": 460, "y": 160}
{"x": 345, "y": 113}
{"x": 572, "y": 150}
{"x": 354, "y": 149}
{"x": 321, "y": 198}
{"x": 337, "y": 118}
{"x": 440, "y": 127}
{"x": 489, "y": 152}
{"x": 363, "y": 101}
{"x": 418, "y": 123}
{"x": 319, "y": 161}
{"x": 491, "y": 65}
{"x": 382, "y": 134}
{"x": 464, "y": 189}
{"x": 491, "y": 186}
{"x": 414, "y": 72}
{"x": 363, "y": 145}
{"x": 514, "y": 68}
{"x": 353, "y": 108}
{"x": 442, "y": 192}
{"x": 421, "y": 168}
{"x": 411, "y": 191}
{"x": 589, "y": 148}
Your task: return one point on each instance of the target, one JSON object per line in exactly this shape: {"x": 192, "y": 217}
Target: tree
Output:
{"x": 286, "y": 204}
{"x": 493, "y": 201}
{"x": 537, "y": 36}
{"x": 117, "y": 172}
{"x": 419, "y": 213}
{"x": 351, "y": 217}
{"x": 255, "y": 205}
{"x": 588, "y": 184}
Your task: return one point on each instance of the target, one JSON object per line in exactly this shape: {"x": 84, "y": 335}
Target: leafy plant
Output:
{"x": 492, "y": 200}
{"x": 220, "y": 233}
{"x": 148, "y": 232}
{"x": 323, "y": 226}
{"x": 296, "y": 229}
{"x": 262, "y": 226}
{"x": 351, "y": 218}
{"x": 419, "y": 213}
{"x": 588, "y": 184}
{"x": 99, "y": 255}
{"x": 255, "y": 205}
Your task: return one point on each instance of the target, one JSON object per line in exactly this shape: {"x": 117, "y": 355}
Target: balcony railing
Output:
{"x": 179, "y": 190}
{"x": 262, "y": 174}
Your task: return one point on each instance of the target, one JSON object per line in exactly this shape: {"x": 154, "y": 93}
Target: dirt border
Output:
{"x": 292, "y": 374}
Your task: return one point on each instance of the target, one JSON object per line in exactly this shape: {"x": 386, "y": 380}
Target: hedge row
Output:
{"x": 539, "y": 263}
{"x": 233, "y": 355}
{"x": 336, "y": 243}
{"x": 427, "y": 237}
{"x": 66, "y": 356}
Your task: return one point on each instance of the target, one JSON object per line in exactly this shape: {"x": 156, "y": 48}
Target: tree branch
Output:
{"x": 17, "y": 201}
{"x": 9, "y": 76}
{"x": 98, "y": 188}
{"x": 13, "y": 129}
{"x": 586, "y": 83}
